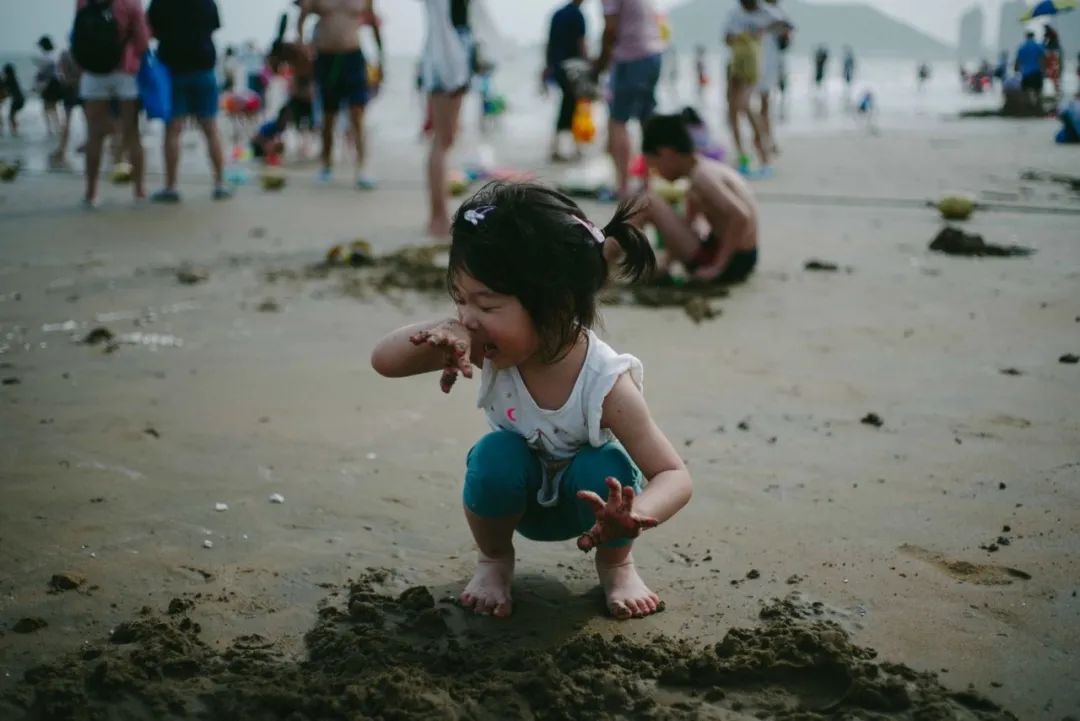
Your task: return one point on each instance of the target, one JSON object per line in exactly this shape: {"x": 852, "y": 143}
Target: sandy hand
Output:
{"x": 452, "y": 338}
{"x": 614, "y": 519}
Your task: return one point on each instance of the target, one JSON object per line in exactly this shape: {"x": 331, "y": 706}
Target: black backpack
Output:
{"x": 95, "y": 40}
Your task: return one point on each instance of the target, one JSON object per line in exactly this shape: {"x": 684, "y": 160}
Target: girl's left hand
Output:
{"x": 614, "y": 519}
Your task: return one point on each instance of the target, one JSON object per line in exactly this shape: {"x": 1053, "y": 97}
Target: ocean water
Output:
{"x": 396, "y": 115}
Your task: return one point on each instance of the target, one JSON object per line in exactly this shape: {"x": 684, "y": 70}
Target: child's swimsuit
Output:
{"x": 742, "y": 262}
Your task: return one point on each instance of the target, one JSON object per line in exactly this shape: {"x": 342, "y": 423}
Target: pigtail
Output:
{"x": 638, "y": 259}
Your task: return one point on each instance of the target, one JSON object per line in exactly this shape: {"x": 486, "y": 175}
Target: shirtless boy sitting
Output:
{"x": 717, "y": 237}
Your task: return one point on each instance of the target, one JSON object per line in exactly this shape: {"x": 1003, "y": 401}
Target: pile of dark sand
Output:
{"x": 954, "y": 241}
{"x": 383, "y": 656}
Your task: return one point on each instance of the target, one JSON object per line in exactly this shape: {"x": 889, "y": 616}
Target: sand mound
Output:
{"x": 383, "y": 656}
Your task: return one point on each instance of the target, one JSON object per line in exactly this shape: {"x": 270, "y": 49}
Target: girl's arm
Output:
{"x": 669, "y": 485}
{"x": 426, "y": 347}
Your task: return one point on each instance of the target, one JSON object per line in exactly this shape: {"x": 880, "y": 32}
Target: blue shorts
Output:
{"x": 633, "y": 89}
{"x": 503, "y": 476}
{"x": 342, "y": 79}
{"x": 195, "y": 94}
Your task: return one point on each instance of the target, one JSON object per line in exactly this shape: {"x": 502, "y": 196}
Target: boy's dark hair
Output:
{"x": 525, "y": 240}
{"x": 45, "y": 43}
{"x": 690, "y": 116}
{"x": 666, "y": 131}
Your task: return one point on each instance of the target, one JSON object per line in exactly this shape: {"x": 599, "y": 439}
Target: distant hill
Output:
{"x": 867, "y": 30}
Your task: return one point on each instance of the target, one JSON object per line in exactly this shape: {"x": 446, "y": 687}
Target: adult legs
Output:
{"x": 99, "y": 124}
{"x": 209, "y": 128}
{"x": 129, "y": 124}
{"x": 734, "y": 112}
{"x": 328, "y": 121}
{"x": 619, "y": 147}
{"x": 766, "y": 122}
{"x": 59, "y": 156}
{"x": 356, "y": 123}
{"x": 171, "y": 147}
{"x": 564, "y": 122}
{"x": 445, "y": 113}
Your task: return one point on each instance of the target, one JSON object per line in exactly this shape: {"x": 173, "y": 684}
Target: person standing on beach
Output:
{"x": 67, "y": 72}
{"x": 184, "y": 29}
{"x": 747, "y": 26}
{"x": 47, "y": 83}
{"x": 447, "y": 63}
{"x": 1054, "y": 55}
{"x": 341, "y": 73}
{"x": 566, "y": 41}
{"x": 849, "y": 68}
{"x": 632, "y": 46}
{"x": 13, "y": 92}
{"x": 821, "y": 62}
{"x": 773, "y": 46}
{"x": 1031, "y": 64}
{"x": 108, "y": 42}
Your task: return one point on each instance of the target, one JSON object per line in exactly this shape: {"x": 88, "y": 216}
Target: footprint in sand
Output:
{"x": 977, "y": 573}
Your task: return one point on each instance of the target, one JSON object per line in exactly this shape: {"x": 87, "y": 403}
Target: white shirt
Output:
{"x": 741, "y": 21}
{"x": 556, "y": 436}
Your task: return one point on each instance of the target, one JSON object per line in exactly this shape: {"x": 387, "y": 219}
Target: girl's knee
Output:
{"x": 594, "y": 465}
{"x": 496, "y": 475}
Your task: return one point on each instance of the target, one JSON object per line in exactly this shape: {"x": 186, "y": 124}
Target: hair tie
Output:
{"x": 476, "y": 215}
{"x": 596, "y": 233}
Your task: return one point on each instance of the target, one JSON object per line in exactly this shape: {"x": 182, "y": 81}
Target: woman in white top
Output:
{"x": 568, "y": 418}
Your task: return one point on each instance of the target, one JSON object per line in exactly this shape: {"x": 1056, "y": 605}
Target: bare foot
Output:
{"x": 627, "y": 595}
{"x": 488, "y": 593}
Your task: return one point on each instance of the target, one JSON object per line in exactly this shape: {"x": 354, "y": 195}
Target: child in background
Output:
{"x": 716, "y": 239}
{"x": 568, "y": 418}
{"x": 269, "y": 141}
{"x": 14, "y": 93}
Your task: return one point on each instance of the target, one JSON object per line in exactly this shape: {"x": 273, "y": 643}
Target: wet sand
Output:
{"x": 112, "y": 462}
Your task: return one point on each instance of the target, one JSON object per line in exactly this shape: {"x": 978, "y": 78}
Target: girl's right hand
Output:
{"x": 451, "y": 337}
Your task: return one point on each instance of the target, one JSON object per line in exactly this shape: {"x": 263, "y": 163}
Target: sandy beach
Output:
{"x": 945, "y": 538}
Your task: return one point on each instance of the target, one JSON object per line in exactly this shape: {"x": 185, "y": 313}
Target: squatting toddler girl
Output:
{"x": 569, "y": 421}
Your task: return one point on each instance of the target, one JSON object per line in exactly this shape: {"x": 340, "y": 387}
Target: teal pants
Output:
{"x": 503, "y": 476}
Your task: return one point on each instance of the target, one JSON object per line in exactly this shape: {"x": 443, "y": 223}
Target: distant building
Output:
{"x": 1010, "y": 29}
{"x": 1068, "y": 27}
{"x": 970, "y": 44}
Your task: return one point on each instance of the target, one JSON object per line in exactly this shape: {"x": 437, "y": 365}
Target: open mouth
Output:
{"x": 490, "y": 350}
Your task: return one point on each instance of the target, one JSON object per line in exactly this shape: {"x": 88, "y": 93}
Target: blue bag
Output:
{"x": 155, "y": 87}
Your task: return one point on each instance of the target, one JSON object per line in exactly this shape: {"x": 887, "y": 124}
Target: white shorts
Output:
{"x": 121, "y": 86}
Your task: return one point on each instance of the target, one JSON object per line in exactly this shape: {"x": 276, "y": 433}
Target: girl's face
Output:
{"x": 498, "y": 324}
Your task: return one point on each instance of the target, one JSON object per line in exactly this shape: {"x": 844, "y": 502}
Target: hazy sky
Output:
{"x": 22, "y": 21}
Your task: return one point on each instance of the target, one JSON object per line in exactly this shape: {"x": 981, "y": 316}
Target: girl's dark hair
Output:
{"x": 45, "y": 43}
{"x": 525, "y": 240}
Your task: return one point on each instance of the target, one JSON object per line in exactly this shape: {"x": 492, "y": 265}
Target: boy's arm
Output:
{"x": 730, "y": 217}
{"x": 397, "y": 356}
{"x": 627, "y": 416}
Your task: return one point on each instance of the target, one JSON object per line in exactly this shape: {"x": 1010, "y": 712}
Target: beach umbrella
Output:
{"x": 1048, "y": 7}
